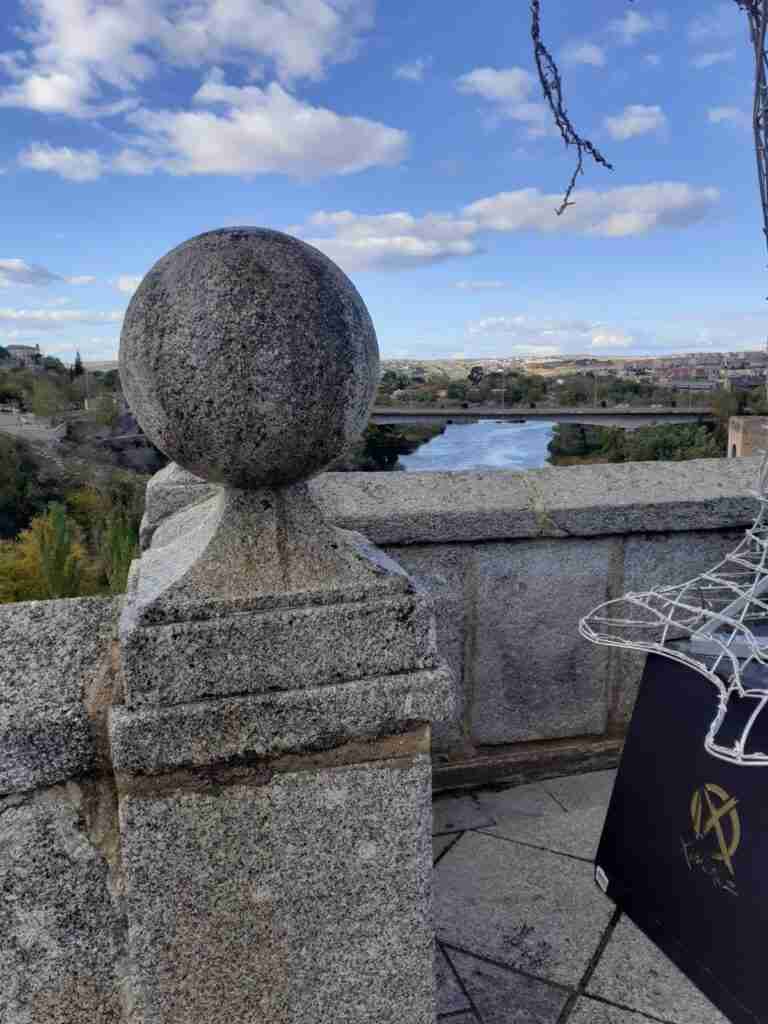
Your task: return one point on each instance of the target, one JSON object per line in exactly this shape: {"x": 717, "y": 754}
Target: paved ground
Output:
{"x": 524, "y": 935}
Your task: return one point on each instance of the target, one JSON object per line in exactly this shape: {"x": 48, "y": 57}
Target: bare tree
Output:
{"x": 552, "y": 88}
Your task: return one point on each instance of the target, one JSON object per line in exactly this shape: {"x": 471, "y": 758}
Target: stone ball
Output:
{"x": 249, "y": 357}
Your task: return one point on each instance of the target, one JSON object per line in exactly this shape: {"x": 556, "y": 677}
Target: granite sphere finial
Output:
{"x": 249, "y": 357}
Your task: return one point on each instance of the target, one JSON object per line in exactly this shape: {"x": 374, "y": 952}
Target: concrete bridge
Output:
{"x": 629, "y": 419}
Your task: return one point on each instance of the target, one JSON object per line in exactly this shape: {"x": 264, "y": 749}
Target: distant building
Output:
{"x": 747, "y": 435}
{"x": 25, "y": 355}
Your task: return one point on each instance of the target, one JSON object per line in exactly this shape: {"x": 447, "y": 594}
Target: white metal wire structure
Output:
{"x": 717, "y": 624}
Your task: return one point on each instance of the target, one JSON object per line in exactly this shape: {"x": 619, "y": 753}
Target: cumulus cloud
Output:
{"x": 52, "y": 319}
{"x": 77, "y": 165}
{"x": 244, "y": 130}
{"x": 127, "y": 283}
{"x": 16, "y": 271}
{"x": 479, "y": 286}
{"x": 509, "y": 91}
{"x": 636, "y": 119}
{"x": 83, "y": 57}
{"x": 729, "y": 115}
{"x": 549, "y": 336}
{"x": 399, "y": 240}
{"x": 632, "y": 25}
{"x": 583, "y": 53}
{"x": 707, "y": 60}
{"x": 413, "y": 71}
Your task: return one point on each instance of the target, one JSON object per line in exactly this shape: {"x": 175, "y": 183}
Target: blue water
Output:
{"x": 487, "y": 444}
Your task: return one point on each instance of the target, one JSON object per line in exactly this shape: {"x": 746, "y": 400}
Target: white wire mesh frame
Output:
{"x": 708, "y": 623}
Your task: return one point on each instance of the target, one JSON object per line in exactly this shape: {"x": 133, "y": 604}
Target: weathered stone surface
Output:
{"x": 62, "y": 931}
{"x": 574, "y": 833}
{"x": 506, "y": 997}
{"x": 249, "y": 357}
{"x": 273, "y": 894}
{"x": 150, "y": 740}
{"x": 50, "y": 651}
{"x": 169, "y": 491}
{"x": 584, "y": 791}
{"x": 442, "y": 843}
{"x": 651, "y": 561}
{"x": 635, "y": 973}
{"x": 448, "y": 994}
{"x": 254, "y": 652}
{"x": 537, "y": 911}
{"x": 589, "y": 1011}
{"x": 632, "y": 497}
{"x": 441, "y": 569}
{"x": 458, "y": 813}
{"x": 533, "y": 677}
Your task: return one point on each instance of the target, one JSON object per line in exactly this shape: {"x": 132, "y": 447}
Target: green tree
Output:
{"x": 77, "y": 369}
{"x": 119, "y": 546}
{"x": 47, "y": 399}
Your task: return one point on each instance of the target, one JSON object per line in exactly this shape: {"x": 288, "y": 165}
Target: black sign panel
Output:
{"x": 684, "y": 851}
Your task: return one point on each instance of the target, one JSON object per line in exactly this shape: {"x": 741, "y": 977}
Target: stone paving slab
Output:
{"x": 532, "y": 799}
{"x": 449, "y": 997}
{"x": 578, "y": 792}
{"x": 520, "y": 906}
{"x": 573, "y": 833}
{"x": 458, "y": 813}
{"x": 502, "y": 996}
{"x": 589, "y": 1011}
{"x": 441, "y": 843}
{"x": 634, "y": 973}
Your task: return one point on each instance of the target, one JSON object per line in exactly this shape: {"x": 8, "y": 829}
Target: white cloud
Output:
{"x": 259, "y": 131}
{"x": 614, "y": 213}
{"x": 52, "y": 319}
{"x": 398, "y": 240}
{"x": 508, "y": 90}
{"x": 83, "y": 54}
{"x": 479, "y": 286}
{"x": 81, "y": 279}
{"x": 730, "y": 115}
{"x": 16, "y": 271}
{"x": 550, "y": 336}
{"x": 722, "y": 21}
{"x": 584, "y": 53}
{"x": 707, "y": 60}
{"x": 610, "y": 339}
{"x": 632, "y": 25}
{"x": 636, "y": 119}
{"x": 413, "y": 71}
{"x": 653, "y": 59}
{"x": 127, "y": 283}
{"x": 72, "y": 164}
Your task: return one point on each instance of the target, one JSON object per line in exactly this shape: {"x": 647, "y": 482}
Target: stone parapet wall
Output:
{"x": 513, "y": 561}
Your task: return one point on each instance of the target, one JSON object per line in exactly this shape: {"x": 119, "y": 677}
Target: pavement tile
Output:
{"x": 633, "y": 972}
{"x": 578, "y": 792}
{"x": 441, "y": 843}
{"x": 573, "y": 832}
{"x": 448, "y": 994}
{"x": 458, "y": 813}
{"x": 525, "y": 907}
{"x": 588, "y": 1011}
{"x": 531, "y": 799}
{"x": 503, "y": 997}
{"x": 459, "y": 1018}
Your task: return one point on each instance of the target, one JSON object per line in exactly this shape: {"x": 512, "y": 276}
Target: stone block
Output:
{"x": 652, "y": 560}
{"x": 584, "y": 791}
{"x": 440, "y": 569}
{"x": 50, "y": 653}
{"x": 459, "y": 813}
{"x": 62, "y": 930}
{"x": 532, "y": 910}
{"x": 449, "y": 996}
{"x": 589, "y": 1011}
{"x": 169, "y": 491}
{"x": 301, "y": 899}
{"x": 532, "y": 676}
{"x": 575, "y": 833}
{"x": 146, "y": 741}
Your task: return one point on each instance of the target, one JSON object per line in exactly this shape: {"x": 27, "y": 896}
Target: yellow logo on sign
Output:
{"x": 714, "y": 811}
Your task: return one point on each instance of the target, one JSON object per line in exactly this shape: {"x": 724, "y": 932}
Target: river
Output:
{"x": 485, "y": 444}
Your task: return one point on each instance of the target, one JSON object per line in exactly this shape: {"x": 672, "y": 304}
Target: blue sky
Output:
{"x": 410, "y": 143}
